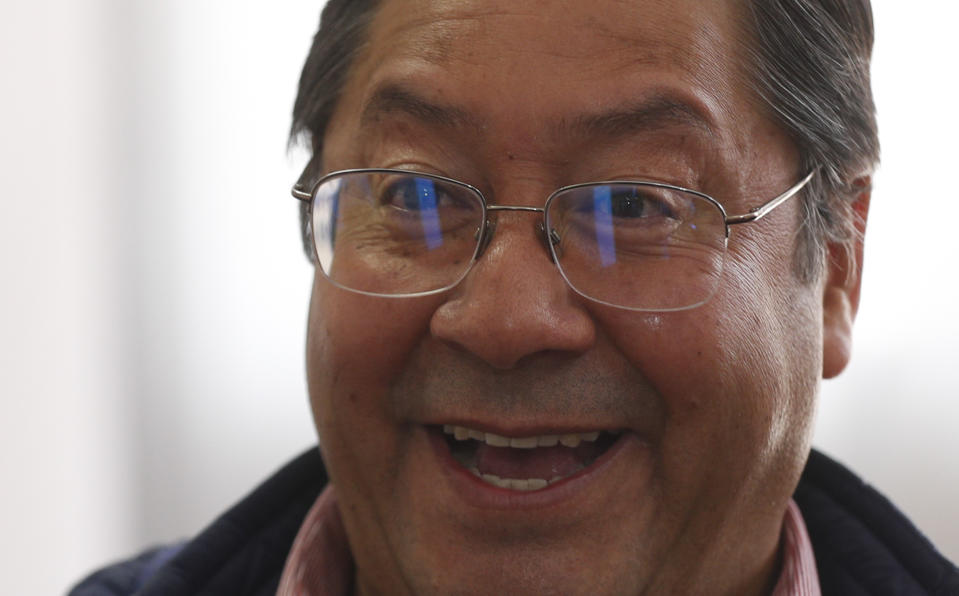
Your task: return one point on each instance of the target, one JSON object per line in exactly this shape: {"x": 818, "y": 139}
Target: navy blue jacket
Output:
{"x": 864, "y": 546}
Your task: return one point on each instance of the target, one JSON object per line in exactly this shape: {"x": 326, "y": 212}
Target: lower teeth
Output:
{"x": 522, "y": 484}
{"x": 465, "y": 453}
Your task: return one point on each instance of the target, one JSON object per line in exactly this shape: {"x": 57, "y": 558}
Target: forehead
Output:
{"x": 651, "y": 83}
{"x": 567, "y": 30}
{"x": 524, "y": 43}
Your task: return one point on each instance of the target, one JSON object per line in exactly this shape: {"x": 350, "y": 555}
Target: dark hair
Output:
{"x": 807, "y": 62}
{"x": 340, "y": 37}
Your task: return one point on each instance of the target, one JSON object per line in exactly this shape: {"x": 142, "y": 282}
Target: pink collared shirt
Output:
{"x": 320, "y": 563}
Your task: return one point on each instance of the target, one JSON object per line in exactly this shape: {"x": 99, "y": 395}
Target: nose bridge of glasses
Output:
{"x": 516, "y": 208}
{"x": 490, "y": 227}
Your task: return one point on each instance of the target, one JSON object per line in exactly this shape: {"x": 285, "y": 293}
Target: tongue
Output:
{"x": 541, "y": 462}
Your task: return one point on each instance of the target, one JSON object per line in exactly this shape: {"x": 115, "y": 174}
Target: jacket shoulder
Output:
{"x": 863, "y": 544}
{"x": 126, "y": 577}
{"x": 241, "y": 553}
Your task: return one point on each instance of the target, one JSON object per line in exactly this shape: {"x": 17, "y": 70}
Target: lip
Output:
{"x": 477, "y": 493}
{"x": 514, "y": 429}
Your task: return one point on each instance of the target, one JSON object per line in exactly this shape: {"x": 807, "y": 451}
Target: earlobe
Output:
{"x": 838, "y": 316}
{"x": 843, "y": 282}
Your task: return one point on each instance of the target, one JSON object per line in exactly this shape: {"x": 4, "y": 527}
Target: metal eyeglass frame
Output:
{"x": 485, "y": 234}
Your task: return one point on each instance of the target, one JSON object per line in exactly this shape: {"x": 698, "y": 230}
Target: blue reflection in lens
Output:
{"x": 326, "y": 206}
{"x": 603, "y": 215}
{"x": 335, "y": 218}
{"x": 426, "y": 194}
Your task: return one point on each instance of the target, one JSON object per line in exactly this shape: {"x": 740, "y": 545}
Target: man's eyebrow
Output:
{"x": 650, "y": 114}
{"x": 653, "y": 113}
{"x": 394, "y": 98}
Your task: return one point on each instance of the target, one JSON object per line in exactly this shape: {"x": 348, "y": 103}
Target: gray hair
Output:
{"x": 807, "y": 62}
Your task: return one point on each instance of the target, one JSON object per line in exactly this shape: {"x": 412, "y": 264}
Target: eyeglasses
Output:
{"x": 637, "y": 245}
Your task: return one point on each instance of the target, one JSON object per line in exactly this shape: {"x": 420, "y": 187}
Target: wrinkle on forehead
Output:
{"x": 442, "y": 33}
{"x": 431, "y": 27}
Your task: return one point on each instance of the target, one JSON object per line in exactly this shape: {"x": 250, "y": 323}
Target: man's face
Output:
{"x": 705, "y": 414}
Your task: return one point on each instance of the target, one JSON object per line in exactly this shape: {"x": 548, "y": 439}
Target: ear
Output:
{"x": 841, "y": 291}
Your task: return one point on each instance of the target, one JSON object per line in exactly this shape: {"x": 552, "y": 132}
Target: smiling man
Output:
{"x": 580, "y": 268}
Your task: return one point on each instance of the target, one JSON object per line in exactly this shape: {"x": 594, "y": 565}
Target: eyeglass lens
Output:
{"x": 638, "y": 246}
{"x": 629, "y": 245}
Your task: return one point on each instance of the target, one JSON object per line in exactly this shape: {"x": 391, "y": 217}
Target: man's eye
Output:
{"x": 409, "y": 194}
{"x": 423, "y": 194}
{"x": 633, "y": 204}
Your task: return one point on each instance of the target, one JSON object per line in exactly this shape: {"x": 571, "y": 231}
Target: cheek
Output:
{"x": 737, "y": 376}
{"x": 768, "y": 352}
{"x": 356, "y": 347}
{"x": 356, "y": 341}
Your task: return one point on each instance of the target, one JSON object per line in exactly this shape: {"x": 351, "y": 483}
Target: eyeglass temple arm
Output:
{"x": 757, "y": 213}
{"x": 300, "y": 193}
{"x": 302, "y": 188}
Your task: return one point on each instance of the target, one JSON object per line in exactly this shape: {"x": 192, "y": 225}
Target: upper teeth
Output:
{"x": 461, "y": 433}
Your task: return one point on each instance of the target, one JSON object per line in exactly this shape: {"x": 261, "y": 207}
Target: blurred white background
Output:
{"x": 153, "y": 297}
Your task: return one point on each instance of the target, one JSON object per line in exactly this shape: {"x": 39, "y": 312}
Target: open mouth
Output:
{"x": 526, "y": 463}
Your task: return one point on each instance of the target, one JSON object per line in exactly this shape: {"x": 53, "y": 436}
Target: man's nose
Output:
{"x": 514, "y": 303}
